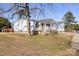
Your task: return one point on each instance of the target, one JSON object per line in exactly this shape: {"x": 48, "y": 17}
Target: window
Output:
{"x": 42, "y": 24}
{"x": 37, "y": 24}
{"x": 48, "y": 26}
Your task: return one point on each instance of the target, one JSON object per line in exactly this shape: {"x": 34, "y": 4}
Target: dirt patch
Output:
{"x": 18, "y": 44}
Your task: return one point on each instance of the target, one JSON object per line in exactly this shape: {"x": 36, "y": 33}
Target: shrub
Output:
{"x": 54, "y": 32}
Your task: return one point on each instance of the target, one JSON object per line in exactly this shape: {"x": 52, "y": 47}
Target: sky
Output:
{"x": 56, "y": 11}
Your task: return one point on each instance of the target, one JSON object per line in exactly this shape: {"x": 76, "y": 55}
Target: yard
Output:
{"x": 18, "y": 44}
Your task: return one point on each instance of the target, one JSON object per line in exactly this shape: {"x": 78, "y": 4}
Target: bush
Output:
{"x": 35, "y": 32}
{"x": 4, "y": 23}
{"x": 72, "y": 27}
{"x": 54, "y": 32}
{"x": 76, "y": 26}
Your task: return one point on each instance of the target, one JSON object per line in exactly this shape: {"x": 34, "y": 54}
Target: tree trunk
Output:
{"x": 28, "y": 26}
{"x": 28, "y": 19}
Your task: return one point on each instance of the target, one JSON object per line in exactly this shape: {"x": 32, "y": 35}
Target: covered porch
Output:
{"x": 45, "y": 26}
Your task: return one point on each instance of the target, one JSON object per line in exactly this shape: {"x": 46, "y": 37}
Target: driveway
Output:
{"x": 75, "y": 43}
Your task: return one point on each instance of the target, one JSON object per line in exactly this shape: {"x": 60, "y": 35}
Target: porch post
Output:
{"x": 40, "y": 28}
{"x": 51, "y": 25}
{"x": 44, "y": 28}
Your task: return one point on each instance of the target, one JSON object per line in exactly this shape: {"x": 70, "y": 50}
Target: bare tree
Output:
{"x": 23, "y": 11}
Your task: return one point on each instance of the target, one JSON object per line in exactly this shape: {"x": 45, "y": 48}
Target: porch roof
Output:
{"x": 47, "y": 21}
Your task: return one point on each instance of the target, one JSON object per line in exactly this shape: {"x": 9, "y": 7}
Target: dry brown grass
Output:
{"x": 20, "y": 44}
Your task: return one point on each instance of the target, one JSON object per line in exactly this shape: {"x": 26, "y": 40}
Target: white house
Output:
{"x": 60, "y": 26}
{"x": 21, "y": 25}
{"x": 45, "y": 25}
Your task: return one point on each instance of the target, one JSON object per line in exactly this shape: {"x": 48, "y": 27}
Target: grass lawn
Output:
{"x": 20, "y": 44}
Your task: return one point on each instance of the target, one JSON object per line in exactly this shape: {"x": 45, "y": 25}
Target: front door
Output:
{"x": 48, "y": 27}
